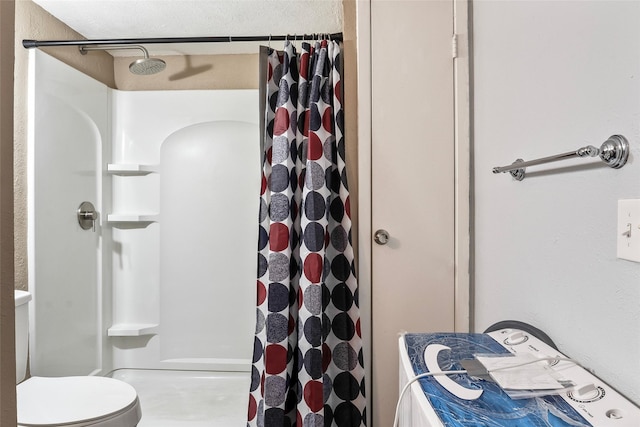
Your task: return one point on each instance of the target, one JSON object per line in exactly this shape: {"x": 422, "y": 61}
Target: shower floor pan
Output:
{"x": 189, "y": 398}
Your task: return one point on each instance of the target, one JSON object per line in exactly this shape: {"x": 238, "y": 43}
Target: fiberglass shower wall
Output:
{"x": 177, "y": 179}
{"x": 68, "y": 138}
{"x": 184, "y": 280}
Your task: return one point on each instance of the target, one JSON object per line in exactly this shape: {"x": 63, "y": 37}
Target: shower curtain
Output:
{"x": 307, "y": 361}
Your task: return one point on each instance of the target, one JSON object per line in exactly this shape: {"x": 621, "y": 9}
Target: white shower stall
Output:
{"x": 165, "y": 277}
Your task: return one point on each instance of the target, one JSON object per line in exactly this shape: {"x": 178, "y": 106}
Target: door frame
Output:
{"x": 463, "y": 197}
{"x": 463, "y": 305}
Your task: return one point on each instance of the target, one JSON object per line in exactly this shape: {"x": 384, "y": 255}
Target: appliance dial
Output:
{"x": 586, "y": 393}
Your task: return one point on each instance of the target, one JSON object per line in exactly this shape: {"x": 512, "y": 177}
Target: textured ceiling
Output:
{"x": 102, "y": 19}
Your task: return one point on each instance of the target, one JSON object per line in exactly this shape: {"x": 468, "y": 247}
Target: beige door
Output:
{"x": 412, "y": 182}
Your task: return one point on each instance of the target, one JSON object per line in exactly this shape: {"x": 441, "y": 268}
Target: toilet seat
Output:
{"x": 77, "y": 402}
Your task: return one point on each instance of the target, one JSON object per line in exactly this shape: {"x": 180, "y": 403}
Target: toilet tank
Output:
{"x": 22, "y": 333}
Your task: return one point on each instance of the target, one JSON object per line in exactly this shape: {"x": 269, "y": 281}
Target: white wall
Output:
{"x": 68, "y": 138}
{"x": 173, "y": 254}
{"x": 549, "y": 77}
{"x": 210, "y": 175}
{"x": 143, "y": 263}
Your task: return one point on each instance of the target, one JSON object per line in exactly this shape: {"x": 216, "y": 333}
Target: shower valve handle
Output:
{"x": 87, "y": 216}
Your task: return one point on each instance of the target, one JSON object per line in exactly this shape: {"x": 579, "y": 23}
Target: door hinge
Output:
{"x": 454, "y": 46}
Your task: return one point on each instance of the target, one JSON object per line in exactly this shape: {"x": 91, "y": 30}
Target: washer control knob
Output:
{"x": 586, "y": 393}
{"x": 515, "y": 338}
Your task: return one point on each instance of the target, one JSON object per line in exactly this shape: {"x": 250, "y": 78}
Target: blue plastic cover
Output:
{"x": 494, "y": 408}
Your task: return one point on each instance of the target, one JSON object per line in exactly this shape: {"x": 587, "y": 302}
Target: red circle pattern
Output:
{"x": 275, "y": 357}
{"x": 262, "y": 293}
{"x": 313, "y": 267}
{"x": 278, "y": 237}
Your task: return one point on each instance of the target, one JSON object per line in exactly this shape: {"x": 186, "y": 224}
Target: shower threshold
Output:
{"x": 189, "y": 398}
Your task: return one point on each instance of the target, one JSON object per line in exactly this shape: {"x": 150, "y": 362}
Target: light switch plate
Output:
{"x": 628, "y": 229}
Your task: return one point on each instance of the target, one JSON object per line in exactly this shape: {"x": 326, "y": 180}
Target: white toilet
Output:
{"x": 68, "y": 401}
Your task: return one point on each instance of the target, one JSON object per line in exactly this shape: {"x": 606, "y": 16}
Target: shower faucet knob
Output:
{"x": 87, "y": 216}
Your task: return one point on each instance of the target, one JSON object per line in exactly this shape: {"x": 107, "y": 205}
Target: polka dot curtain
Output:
{"x": 307, "y": 360}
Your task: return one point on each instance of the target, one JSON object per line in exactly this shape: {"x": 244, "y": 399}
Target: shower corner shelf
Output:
{"x": 132, "y": 217}
{"x": 132, "y": 329}
{"x": 131, "y": 169}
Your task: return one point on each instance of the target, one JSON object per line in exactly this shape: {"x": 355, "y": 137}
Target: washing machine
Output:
{"x": 464, "y": 400}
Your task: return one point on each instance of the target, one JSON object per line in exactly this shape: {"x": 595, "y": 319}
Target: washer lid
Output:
{"x": 45, "y": 401}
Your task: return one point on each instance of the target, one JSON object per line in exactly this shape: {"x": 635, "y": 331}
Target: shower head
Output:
{"x": 146, "y": 66}
{"x": 142, "y": 67}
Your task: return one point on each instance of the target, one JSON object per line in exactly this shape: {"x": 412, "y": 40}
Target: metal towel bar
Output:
{"x": 614, "y": 152}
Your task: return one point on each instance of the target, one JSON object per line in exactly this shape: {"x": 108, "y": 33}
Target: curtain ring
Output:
{"x": 269, "y": 41}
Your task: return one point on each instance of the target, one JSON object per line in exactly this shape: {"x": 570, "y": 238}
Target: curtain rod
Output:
{"x": 219, "y": 39}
